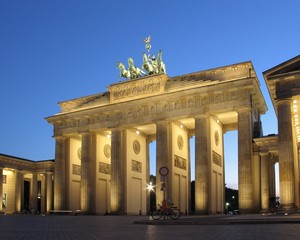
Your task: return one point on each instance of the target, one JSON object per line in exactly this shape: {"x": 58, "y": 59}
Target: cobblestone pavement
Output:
{"x": 122, "y": 227}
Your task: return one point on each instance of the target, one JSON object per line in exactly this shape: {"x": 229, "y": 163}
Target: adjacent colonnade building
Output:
{"x": 27, "y": 186}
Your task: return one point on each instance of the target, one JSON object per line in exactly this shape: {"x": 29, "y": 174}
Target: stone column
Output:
{"x": 202, "y": 164}
{"x": 33, "y": 193}
{"x": 286, "y": 155}
{"x": 265, "y": 179}
{"x": 49, "y": 195}
{"x": 118, "y": 172}
{"x": 43, "y": 192}
{"x": 189, "y": 175}
{"x": 256, "y": 182}
{"x": 1, "y": 188}
{"x": 297, "y": 159}
{"x": 18, "y": 191}
{"x": 147, "y": 176}
{"x": 163, "y": 159}
{"x": 296, "y": 173}
{"x": 245, "y": 160}
{"x": 60, "y": 174}
{"x": 272, "y": 182}
{"x": 88, "y": 173}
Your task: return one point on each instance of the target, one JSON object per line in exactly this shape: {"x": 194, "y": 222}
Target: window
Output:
{"x": 4, "y": 178}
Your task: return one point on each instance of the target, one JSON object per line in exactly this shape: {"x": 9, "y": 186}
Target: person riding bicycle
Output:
{"x": 166, "y": 203}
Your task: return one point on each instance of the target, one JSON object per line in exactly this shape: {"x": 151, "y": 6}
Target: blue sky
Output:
{"x": 52, "y": 51}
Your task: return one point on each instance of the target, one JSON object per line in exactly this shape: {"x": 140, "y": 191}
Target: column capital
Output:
{"x": 60, "y": 137}
{"x": 280, "y": 101}
{"x": 162, "y": 122}
{"x": 264, "y": 153}
{"x": 120, "y": 128}
{"x": 243, "y": 109}
{"x": 199, "y": 116}
{"x": 87, "y": 132}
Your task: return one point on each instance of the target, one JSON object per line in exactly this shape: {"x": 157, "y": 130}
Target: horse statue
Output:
{"x": 123, "y": 72}
{"x": 134, "y": 71}
{"x": 146, "y": 65}
{"x": 154, "y": 63}
{"x": 160, "y": 64}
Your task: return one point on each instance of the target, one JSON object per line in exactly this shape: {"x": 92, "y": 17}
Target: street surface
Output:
{"x": 39, "y": 227}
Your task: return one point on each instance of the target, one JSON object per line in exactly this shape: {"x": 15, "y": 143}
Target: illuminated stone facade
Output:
{"x": 102, "y": 145}
{"x": 283, "y": 83}
{"x": 27, "y": 186}
{"x": 102, "y": 141}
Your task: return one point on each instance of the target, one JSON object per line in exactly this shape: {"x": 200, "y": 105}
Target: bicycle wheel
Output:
{"x": 156, "y": 214}
{"x": 175, "y": 213}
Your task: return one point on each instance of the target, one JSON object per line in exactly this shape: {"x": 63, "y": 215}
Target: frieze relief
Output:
{"x": 136, "y": 166}
{"x": 217, "y": 159}
{"x": 104, "y": 168}
{"x": 136, "y": 91}
{"x": 152, "y": 109}
{"x": 76, "y": 169}
{"x": 180, "y": 162}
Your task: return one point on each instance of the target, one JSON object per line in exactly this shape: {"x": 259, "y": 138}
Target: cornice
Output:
{"x": 7, "y": 161}
{"x": 267, "y": 143}
{"x": 80, "y": 102}
{"x": 226, "y": 73}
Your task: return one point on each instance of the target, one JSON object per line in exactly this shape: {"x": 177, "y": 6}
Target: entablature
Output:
{"x": 173, "y": 106}
{"x": 267, "y": 143}
{"x": 20, "y": 164}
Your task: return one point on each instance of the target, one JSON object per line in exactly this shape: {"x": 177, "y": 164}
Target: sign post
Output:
{"x": 163, "y": 171}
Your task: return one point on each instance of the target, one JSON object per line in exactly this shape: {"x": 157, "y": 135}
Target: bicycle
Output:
{"x": 170, "y": 211}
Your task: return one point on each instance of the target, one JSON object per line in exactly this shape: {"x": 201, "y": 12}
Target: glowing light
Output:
{"x": 137, "y": 132}
{"x": 7, "y": 172}
{"x": 150, "y": 187}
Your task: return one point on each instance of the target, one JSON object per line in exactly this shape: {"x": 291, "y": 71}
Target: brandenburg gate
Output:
{"x": 102, "y": 153}
{"x": 102, "y": 140}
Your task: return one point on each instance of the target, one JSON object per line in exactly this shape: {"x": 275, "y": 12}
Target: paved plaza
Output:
{"x": 137, "y": 227}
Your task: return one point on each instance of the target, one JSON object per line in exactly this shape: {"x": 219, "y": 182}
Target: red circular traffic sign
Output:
{"x": 163, "y": 171}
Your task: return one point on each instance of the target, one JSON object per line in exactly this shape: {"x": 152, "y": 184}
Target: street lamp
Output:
{"x": 227, "y": 206}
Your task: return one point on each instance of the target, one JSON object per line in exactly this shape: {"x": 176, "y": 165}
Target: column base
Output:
{"x": 287, "y": 209}
{"x": 247, "y": 211}
{"x": 116, "y": 213}
{"x": 201, "y": 212}
{"x": 264, "y": 211}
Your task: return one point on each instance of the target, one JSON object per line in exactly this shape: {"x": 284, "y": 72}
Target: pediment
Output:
{"x": 291, "y": 66}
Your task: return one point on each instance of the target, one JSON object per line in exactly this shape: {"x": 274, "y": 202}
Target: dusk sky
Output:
{"x": 55, "y": 50}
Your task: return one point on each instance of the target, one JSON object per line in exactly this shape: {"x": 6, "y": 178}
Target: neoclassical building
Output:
{"x": 27, "y": 186}
{"x": 102, "y": 141}
{"x": 283, "y": 82}
{"x": 102, "y": 144}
